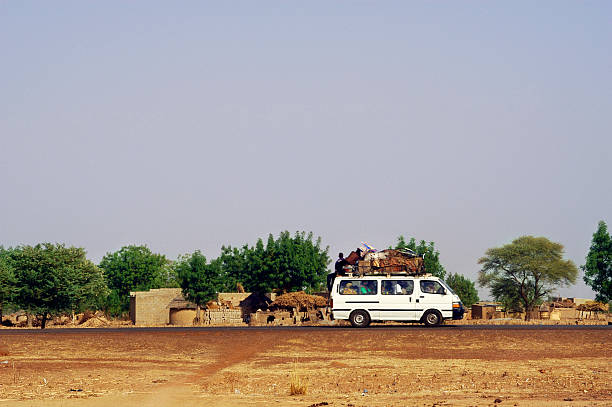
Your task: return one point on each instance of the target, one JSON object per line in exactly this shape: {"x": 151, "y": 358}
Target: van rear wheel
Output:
{"x": 432, "y": 318}
{"x": 359, "y": 319}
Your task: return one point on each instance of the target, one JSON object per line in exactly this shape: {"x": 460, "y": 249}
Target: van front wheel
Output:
{"x": 432, "y": 318}
{"x": 359, "y": 319}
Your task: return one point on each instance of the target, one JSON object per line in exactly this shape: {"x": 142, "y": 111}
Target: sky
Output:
{"x": 193, "y": 125}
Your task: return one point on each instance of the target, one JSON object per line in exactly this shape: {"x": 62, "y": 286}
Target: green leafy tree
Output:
{"x": 598, "y": 267}
{"x": 7, "y": 282}
{"x": 530, "y": 267}
{"x": 199, "y": 280}
{"x": 505, "y": 291}
{"x": 464, "y": 287}
{"x": 134, "y": 268}
{"x": 289, "y": 263}
{"x": 302, "y": 265}
{"x": 257, "y": 267}
{"x": 113, "y": 305}
{"x": 54, "y": 279}
{"x": 432, "y": 256}
{"x": 233, "y": 267}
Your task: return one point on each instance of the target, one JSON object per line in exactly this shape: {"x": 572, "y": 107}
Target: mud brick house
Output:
{"x": 149, "y": 307}
{"x": 482, "y": 310}
{"x": 575, "y": 308}
{"x": 181, "y": 311}
{"x": 168, "y": 306}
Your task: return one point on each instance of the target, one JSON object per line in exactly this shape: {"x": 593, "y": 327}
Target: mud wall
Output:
{"x": 182, "y": 316}
{"x": 149, "y": 307}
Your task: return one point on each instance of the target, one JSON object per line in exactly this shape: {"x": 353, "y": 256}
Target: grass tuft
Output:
{"x": 297, "y": 386}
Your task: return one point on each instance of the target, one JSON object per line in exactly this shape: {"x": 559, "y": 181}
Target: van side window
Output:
{"x": 397, "y": 287}
{"x": 358, "y": 287}
{"x": 431, "y": 287}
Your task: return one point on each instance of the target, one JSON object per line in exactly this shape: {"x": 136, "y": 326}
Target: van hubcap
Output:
{"x": 432, "y": 318}
{"x": 359, "y": 318}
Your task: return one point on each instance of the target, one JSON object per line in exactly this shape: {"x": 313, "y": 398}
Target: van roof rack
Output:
{"x": 389, "y": 275}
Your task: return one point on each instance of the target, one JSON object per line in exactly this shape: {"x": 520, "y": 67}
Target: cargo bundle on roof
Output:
{"x": 390, "y": 261}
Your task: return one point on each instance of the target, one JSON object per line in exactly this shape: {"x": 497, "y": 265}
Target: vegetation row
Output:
{"x": 50, "y": 279}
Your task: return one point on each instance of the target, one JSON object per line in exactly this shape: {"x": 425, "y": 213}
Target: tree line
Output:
{"x": 48, "y": 279}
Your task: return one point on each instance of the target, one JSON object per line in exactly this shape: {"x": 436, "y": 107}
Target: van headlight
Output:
{"x": 457, "y": 304}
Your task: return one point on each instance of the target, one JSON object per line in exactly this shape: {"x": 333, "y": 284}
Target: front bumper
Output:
{"x": 458, "y": 312}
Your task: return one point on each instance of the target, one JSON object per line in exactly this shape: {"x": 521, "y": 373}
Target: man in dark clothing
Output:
{"x": 340, "y": 263}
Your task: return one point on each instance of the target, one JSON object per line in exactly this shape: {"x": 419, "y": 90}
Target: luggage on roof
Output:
{"x": 390, "y": 261}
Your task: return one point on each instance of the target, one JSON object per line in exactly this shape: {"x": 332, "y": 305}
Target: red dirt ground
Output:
{"x": 397, "y": 366}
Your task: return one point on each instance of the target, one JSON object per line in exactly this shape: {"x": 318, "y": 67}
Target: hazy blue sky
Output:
{"x": 189, "y": 125}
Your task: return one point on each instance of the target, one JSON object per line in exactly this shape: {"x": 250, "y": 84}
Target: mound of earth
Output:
{"x": 96, "y": 322}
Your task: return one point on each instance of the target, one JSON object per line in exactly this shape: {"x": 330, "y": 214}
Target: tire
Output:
{"x": 359, "y": 319}
{"x": 432, "y": 318}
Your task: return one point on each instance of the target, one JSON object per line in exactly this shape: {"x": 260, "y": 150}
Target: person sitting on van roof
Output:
{"x": 340, "y": 263}
{"x": 338, "y": 270}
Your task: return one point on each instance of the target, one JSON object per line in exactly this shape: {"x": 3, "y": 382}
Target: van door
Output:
{"x": 433, "y": 296}
{"x": 396, "y": 300}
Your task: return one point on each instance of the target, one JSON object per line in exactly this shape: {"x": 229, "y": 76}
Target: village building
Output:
{"x": 168, "y": 306}
{"x": 165, "y": 306}
{"x": 560, "y": 309}
{"x": 485, "y": 310}
{"x": 150, "y": 307}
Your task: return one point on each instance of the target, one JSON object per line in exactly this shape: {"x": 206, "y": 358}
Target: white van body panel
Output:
{"x": 394, "y": 298}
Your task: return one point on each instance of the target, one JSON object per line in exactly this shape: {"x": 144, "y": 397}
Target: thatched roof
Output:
{"x": 593, "y": 306}
{"x": 564, "y": 304}
{"x": 299, "y": 300}
{"x": 181, "y": 303}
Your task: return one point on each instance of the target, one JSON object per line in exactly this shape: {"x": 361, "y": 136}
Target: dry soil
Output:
{"x": 384, "y": 366}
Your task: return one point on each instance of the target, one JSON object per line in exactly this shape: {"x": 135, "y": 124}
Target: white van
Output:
{"x": 424, "y": 298}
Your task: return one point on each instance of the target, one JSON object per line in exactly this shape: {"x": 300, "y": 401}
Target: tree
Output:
{"x": 135, "y": 268}
{"x": 505, "y": 291}
{"x": 302, "y": 264}
{"x": 199, "y": 280}
{"x": 289, "y": 263}
{"x": 55, "y": 279}
{"x": 7, "y": 282}
{"x": 529, "y": 267}
{"x": 598, "y": 267}
{"x": 432, "y": 256}
{"x": 464, "y": 287}
{"x": 233, "y": 267}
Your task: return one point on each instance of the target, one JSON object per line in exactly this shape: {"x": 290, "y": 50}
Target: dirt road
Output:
{"x": 342, "y": 367}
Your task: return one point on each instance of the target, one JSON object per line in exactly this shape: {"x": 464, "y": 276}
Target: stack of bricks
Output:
{"x": 223, "y": 316}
